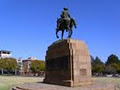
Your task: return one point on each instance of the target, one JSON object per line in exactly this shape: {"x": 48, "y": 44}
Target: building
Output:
{"x": 26, "y": 65}
{"x": 5, "y": 54}
{"x": 19, "y": 66}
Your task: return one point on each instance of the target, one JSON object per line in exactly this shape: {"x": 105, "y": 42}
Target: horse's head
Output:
{"x": 73, "y": 22}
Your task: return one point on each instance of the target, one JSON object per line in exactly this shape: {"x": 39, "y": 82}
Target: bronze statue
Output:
{"x": 65, "y": 23}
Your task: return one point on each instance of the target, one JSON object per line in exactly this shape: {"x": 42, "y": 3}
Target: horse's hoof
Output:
{"x": 68, "y": 37}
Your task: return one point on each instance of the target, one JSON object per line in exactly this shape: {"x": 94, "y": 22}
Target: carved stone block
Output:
{"x": 68, "y": 63}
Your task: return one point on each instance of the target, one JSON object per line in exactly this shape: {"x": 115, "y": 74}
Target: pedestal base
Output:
{"x": 68, "y": 63}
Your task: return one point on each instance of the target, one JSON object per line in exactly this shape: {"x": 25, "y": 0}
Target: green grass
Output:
{"x": 3, "y": 87}
{"x": 6, "y": 82}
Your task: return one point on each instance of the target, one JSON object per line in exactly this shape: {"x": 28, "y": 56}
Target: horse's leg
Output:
{"x": 71, "y": 32}
{"x": 62, "y": 34}
{"x": 68, "y": 33}
{"x": 57, "y": 33}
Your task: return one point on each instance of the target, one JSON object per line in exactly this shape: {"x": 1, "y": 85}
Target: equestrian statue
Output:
{"x": 65, "y": 22}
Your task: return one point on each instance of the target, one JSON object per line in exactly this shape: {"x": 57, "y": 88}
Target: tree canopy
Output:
{"x": 112, "y": 59}
{"x": 8, "y": 64}
{"x": 113, "y": 64}
{"x": 37, "y": 66}
{"x": 97, "y": 65}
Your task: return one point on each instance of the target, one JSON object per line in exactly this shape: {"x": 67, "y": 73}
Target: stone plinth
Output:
{"x": 68, "y": 63}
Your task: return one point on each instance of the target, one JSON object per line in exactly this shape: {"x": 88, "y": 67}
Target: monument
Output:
{"x": 67, "y": 63}
{"x": 67, "y": 60}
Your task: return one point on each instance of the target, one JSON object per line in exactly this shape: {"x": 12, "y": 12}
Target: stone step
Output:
{"x": 14, "y": 88}
{"x": 18, "y": 88}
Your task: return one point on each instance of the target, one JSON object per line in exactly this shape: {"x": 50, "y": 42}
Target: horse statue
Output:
{"x": 63, "y": 26}
{"x": 65, "y": 23}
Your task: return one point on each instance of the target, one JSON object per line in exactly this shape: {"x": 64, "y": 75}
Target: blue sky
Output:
{"x": 27, "y": 27}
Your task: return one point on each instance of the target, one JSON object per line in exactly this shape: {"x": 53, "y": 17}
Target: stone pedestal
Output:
{"x": 68, "y": 63}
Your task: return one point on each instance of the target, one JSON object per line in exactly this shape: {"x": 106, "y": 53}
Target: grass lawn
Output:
{"x": 107, "y": 80}
{"x": 6, "y": 82}
{"x": 113, "y": 81}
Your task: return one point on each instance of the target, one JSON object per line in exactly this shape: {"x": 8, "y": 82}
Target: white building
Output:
{"x": 19, "y": 66}
{"x": 5, "y": 54}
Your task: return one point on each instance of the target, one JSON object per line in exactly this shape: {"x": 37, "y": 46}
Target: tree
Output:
{"x": 37, "y": 66}
{"x": 112, "y": 59}
{"x": 8, "y": 64}
{"x": 1, "y": 65}
{"x": 11, "y": 64}
{"x": 92, "y": 59}
{"x": 109, "y": 69}
{"x": 98, "y": 66}
{"x": 113, "y": 64}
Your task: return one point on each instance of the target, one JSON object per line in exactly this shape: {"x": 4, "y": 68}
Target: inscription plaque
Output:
{"x": 83, "y": 72}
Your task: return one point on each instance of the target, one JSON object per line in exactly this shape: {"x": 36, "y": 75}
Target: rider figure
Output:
{"x": 65, "y": 15}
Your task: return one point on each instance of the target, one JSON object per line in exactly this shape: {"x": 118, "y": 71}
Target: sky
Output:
{"x": 27, "y": 27}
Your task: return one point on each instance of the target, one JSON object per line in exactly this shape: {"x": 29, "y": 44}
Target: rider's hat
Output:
{"x": 65, "y": 8}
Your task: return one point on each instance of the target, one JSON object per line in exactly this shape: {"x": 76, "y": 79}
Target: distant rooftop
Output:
{"x": 30, "y": 59}
{"x": 4, "y": 51}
